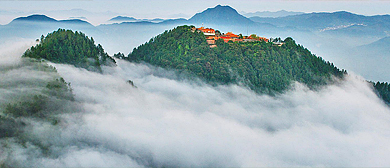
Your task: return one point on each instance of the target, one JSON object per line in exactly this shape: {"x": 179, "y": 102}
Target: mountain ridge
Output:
{"x": 322, "y": 20}
{"x": 46, "y": 19}
{"x": 280, "y": 13}
{"x": 122, "y": 18}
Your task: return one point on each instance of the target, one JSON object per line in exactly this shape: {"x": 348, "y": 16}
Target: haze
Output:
{"x": 98, "y": 11}
{"x": 171, "y": 121}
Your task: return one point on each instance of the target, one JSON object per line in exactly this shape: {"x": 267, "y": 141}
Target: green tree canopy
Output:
{"x": 260, "y": 65}
{"x": 68, "y": 47}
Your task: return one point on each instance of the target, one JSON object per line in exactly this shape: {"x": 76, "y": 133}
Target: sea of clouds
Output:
{"x": 173, "y": 122}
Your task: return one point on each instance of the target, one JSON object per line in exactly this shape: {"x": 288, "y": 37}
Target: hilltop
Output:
{"x": 123, "y": 19}
{"x": 36, "y": 17}
{"x": 260, "y": 65}
{"x": 75, "y": 48}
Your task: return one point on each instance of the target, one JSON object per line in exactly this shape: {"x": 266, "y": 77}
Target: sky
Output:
{"x": 183, "y": 8}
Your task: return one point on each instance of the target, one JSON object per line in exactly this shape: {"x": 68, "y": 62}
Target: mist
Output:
{"x": 171, "y": 121}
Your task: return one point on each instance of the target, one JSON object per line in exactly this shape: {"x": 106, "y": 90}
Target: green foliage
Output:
{"x": 259, "y": 65}
{"x": 66, "y": 46}
{"x": 40, "y": 105}
{"x": 383, "y": 90}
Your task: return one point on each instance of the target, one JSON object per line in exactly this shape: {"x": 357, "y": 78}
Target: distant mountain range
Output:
{"x": 331, "y": 22}
{"x": 123, "y": 19}
{"x": 34, "y": 26}
{"x": 132, "y": 19}
{"x": 324, "y": 33}
{"x": 281, "y": 13}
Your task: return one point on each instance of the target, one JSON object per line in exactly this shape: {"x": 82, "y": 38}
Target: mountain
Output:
{"x": 76, "y": 22}
{"x": 45, "y": 19}
{"x": 262, "y": 66}
{"x": 220, "y": 15}
{"x": 157, "y": 20}
{"x": 34, "y": 18}
{"x": 314, "y": 20}
{"x": 123, "y": 19}
{"x": 335, "y": 21}
{"x": 132, "y": 19}
{"x": 68, "y": 47}
{"x": 281, "y": 13}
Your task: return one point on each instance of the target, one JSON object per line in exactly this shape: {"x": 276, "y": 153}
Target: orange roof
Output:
{"x": 207, "y": 30}
{"x": 224, "y": 37}
{"x": 230, "y": 34}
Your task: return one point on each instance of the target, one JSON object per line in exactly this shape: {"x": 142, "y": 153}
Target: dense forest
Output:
{"x": 264, "y": 67}
{"x": 66, "y": 46}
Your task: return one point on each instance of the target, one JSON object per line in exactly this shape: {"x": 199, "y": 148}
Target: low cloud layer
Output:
{"x": 168, "y": 121}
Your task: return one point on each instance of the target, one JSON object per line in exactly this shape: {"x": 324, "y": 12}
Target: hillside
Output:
{"x": 262, "y": 66}
{"x": 381, "y": 44}
{"x": 343, "y": 22}
{"x": 40, "y": 93}
{"x": 314, "y": 20}
{"x": 68, "y": 47}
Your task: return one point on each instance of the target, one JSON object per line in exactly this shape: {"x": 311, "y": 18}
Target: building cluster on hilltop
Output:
{"x": 212, "y": 35}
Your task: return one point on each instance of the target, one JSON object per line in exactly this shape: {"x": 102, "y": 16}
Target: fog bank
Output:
{"x": 172, "y": 122}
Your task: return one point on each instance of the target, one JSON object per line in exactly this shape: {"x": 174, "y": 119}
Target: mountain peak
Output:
{"x": 36, "y": 17}
{"x": 226, "y": 8}
{"x": 224, "y": 15}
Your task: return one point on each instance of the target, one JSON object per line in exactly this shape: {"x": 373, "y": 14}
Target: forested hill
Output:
{"x": 262, "y": 66}
{"x": 68, "y": 47}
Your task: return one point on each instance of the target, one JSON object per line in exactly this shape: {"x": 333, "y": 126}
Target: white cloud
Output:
{"x": 168, "y": 121}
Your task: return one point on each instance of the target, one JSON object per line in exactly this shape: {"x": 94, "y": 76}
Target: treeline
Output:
{"x": 262, "y": 66}
{"x": 383, "y": 90}
{"x": 66, "y": 46}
